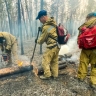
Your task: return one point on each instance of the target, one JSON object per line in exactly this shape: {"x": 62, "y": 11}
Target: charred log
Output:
{"x": 27, "y": 67}
{"x": 41, "y": 71}
{"x": 14, "y": 70}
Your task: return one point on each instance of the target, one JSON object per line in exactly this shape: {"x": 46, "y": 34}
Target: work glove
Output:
{"x": 35, "y": 40}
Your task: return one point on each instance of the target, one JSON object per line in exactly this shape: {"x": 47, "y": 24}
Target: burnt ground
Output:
{"x": 27, "y": 84}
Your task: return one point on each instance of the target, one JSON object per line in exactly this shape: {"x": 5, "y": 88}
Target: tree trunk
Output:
{"x": 36, "y": 20}
{"x": 26, "y": 30}
{"x": 30, "y": 24}
{"x": 20, "y": 27}
{"x": 41, "y": 9}
{"x": 57, "y": 12}
{"x": 10, "y": 25}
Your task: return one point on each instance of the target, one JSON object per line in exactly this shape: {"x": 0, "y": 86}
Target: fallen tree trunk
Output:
{"x": 41, "y": 71}
{"x": 14, "y": 70}
{"x": 26, "y": 67}
{"x": 62, "y": 62}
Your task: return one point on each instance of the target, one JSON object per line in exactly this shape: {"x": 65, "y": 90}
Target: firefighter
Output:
{"x": 8, "y": 44}
{"x": 50, "y": 57}
{"x": 88, "y": 56}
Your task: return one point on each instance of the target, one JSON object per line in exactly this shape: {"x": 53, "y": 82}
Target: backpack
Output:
{"x": 87, "y": 38}
{"x": 62, "y": 37}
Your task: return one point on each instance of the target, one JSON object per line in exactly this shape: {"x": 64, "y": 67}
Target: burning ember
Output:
{"x": 20, "y": 63}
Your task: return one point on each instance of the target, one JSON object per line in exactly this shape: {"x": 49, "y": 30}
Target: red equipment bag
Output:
{"x": 87, "y": 39}
{"x": 62, "y": 37}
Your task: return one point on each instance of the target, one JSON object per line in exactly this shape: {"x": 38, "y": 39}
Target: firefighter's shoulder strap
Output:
{"x": 49, "y": 29}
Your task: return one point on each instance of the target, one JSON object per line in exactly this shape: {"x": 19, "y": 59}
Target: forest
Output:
{"x": 19, "y": 16}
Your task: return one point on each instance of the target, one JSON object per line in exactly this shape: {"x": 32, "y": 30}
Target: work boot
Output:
{"x": 54, "y": 77}
{"x": 44, "y": 78}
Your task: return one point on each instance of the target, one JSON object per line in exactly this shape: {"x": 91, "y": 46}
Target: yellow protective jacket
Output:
{"x": 91, "y": 22}
{"x": 48, "y": 30}
{"x": 10, "y": 39}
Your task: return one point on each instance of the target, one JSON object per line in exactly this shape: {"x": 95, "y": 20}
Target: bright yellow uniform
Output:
{"x": 11, "y": 46}
{"x": 88, "y": 56}
{"x": 50, "y": 57}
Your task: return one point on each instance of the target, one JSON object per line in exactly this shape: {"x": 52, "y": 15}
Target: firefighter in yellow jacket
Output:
{"x": 10, "y": 46}
{"x": 88, "y": 56}
{"x": 50, "y": 57}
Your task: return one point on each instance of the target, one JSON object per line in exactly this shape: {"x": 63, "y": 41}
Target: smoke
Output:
{"x": 72, "y": 44}
{"x": 71, "y": 48}
{"x": 63, "y": 50}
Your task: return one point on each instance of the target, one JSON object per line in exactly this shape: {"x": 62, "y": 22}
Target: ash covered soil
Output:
{"x": 27, "y": 84}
